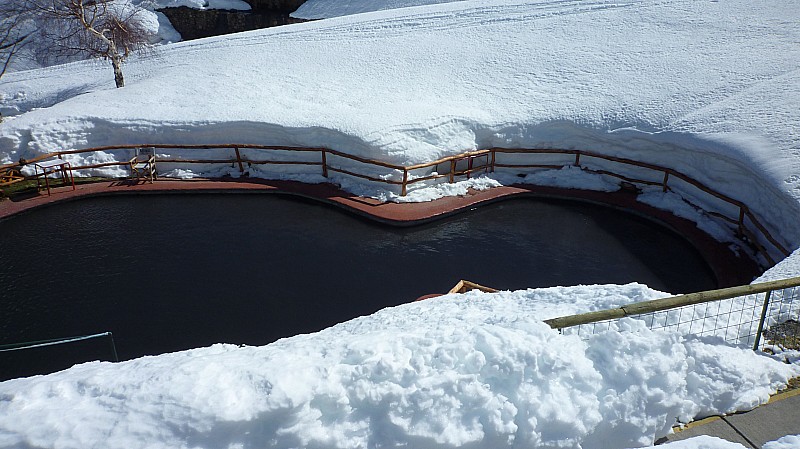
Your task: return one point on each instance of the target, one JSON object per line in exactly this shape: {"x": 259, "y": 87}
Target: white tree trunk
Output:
{"x": 116, "y": 62}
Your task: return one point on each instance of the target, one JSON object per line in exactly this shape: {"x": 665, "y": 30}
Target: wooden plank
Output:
{"x": 549, "y": 166}
{"x": 426, "y": 178}
{"x": 458, "y": 288}
{"x": 370, "y": 178}
{"x": 622, "y": 177}
{"x": 585, "y": 318}
{"x": 764, "y": 231}
{"x": 369, "y": 161}
{"x": 239, "y": 160}
{"x": 475, "y": 286}
{"x": 464, "y": 286}
{"x": 283, "y": 162}
{"x": 449, "y": 158}
{"x": 672, "y": 302}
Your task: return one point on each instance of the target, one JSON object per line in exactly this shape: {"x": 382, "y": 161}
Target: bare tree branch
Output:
{"x": 109, "y": 29}
{"x": 13, "y": 34}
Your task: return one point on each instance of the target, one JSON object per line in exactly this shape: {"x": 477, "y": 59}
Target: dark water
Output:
{"x": 165, "y": 273}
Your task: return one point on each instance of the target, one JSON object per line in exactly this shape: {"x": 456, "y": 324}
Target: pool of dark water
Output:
{"x": 172, "y": 272}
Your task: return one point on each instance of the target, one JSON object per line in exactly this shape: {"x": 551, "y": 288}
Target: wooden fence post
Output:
{"x": 239, "y": 160}
{"x": 405, "y": 182}
{"x": 664, "y": 183}
{"x": 452, "y": 170}
{"x": 324, "y": 163}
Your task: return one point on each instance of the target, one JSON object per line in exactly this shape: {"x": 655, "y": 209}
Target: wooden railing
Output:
{"x": 466, "y": 164}
{"x": 677, "y": 313}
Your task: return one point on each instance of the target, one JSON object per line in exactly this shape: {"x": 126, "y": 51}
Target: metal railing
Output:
{"x": 758, "y": 315}
{"x": 60, "y": 341}
{"x": 748, "y": 226}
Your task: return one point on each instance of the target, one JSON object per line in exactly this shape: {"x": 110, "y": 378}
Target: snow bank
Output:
{"x": 787, "y": 442}
{"x": 679, "y": 83}
{"x": 702, "y": 442}
{"x": 474, "y": 370}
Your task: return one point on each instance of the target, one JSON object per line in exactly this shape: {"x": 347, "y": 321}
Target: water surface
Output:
{"x": 171, "y": 272}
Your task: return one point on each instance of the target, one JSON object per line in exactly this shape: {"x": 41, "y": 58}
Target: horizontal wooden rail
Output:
{"x": 658, "y": 305}
{"x": 450, "y": 158}
{"x": 367, "y": 161}
{"x": 367, "y": 177}
{"x": 577, "y": 158}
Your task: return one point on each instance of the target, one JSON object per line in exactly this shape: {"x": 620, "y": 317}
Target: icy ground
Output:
{"x": 708, "y": 88}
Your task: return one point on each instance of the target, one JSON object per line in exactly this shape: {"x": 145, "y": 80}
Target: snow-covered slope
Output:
{"x": 325, "y": 9}
{"x": 708, "y": 88}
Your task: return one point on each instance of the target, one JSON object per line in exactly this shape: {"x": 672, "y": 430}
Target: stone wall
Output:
{"x": 275, "y": 5}
{"x": 195, "y": 23}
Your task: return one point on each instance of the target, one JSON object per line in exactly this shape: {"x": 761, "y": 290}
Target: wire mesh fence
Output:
{"x": 767, "y": 319}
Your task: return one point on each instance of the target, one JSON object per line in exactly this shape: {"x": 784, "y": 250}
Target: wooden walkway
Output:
{"x": 729, "y": 269}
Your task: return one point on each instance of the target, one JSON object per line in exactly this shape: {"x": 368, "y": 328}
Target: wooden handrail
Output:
{"x": 658, "y": 305}
{"x": 407, "y": 179}
{"x": 450, "y": 158}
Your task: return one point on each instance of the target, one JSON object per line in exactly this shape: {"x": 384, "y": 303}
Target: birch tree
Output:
{"x": 109, "y": 29}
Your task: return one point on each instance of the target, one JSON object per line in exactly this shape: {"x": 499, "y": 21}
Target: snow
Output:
{"x": 707, "y": 88}
{"x": 703, "y": 442}
{"x": 679, "y": 83}
{"x": 325, "y": 9}
{"x": 787, "y": 442}
{"x": 674, "y": 203}
{"x": 475, "y": 369}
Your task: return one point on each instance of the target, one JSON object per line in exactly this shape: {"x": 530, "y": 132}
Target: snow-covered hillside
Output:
{"x": 709, "y": 88}
{"x": 325, "y": 9}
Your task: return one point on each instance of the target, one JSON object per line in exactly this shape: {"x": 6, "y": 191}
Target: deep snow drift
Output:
{"x": 708, "y": 88}
{"x": 473, "y": 370}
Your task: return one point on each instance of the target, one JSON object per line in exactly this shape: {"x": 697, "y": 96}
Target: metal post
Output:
{"x": 113, "y": 347}
{"x": 761, "y": 321}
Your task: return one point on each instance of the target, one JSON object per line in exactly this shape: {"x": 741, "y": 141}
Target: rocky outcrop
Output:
{"x": 275, "y": 5}
{"x": 195, "y": 23}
